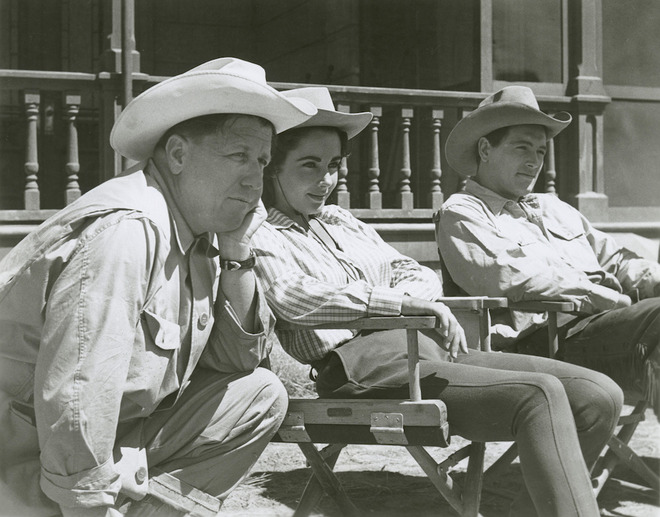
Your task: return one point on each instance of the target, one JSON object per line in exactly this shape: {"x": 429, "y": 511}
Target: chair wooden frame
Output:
{"x": 618, "y": 451}
{"x": 413, "y": 423}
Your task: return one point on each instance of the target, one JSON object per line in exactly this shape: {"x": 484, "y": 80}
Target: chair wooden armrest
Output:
{"x": 543, "y": 306}
{"x": 552, "y": 308}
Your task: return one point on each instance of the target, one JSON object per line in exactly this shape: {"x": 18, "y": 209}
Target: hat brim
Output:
{"x": 461, "y": 146}
{"x": 148, "y": 117}
{"x": 350, "y": 123}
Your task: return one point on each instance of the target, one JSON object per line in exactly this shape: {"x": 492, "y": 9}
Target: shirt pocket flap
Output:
{"x": 566, "y": 234}
{"x": 164, "y": 332}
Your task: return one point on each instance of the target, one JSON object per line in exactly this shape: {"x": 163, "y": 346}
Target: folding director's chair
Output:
{"x": 618, "y": 450}
{"x": 412, "y": 423}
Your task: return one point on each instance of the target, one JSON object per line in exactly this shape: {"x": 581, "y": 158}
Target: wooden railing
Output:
{"x": 23, "y": 109}
{"x": 396, "y": 169}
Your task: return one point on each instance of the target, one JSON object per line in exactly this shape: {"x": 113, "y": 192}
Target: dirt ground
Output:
{"x": 385, "y": 481}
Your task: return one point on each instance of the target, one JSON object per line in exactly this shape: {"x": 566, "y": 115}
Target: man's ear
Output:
{"x": 483, "y": 148}
{"x": 175, "y": 151}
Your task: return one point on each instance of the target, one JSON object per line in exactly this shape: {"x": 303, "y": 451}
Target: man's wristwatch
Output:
{"x": 235, "y": 265}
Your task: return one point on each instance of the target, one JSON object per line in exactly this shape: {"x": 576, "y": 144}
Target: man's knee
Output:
{"x": 273, "y": 388}
{"x": 271, "y": 395}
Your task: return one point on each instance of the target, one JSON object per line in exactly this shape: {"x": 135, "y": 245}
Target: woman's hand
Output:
{"x": 453, "y": 336}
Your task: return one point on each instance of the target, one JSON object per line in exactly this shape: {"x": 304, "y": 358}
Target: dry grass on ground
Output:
{"x": 385, "y": 481}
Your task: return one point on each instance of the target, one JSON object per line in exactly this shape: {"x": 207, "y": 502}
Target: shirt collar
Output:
{"x": 182, "y": 233}
{"x": 280, "y": 220}
{"x": 493, "y": 200}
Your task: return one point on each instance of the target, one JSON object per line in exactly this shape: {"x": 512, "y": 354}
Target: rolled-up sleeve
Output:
{"x": 632, "y": 271}
{"x": 230, "y": 348}
{"x": 87, "y": 342}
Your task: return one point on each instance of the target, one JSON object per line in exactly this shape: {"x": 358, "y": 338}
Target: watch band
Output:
{"x": 235, "y": 265}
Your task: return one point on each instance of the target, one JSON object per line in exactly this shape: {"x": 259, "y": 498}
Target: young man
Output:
{"x": 498, "y": 238}
{"x": 131, "y": 326}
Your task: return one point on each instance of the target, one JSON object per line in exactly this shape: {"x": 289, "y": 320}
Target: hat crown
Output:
{"x": 318, "y": 96}
{"x": 516, "y": 94}
{"x": 233, "y": 66}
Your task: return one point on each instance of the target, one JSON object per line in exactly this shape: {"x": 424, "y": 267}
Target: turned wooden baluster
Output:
{"x": 550, "y": 171}
{"x": 435, "y": 196}
{"x": 343, "y": 195}
{"x": 374, "y": 196}
{"x": 72, "y": 103}
{"x": 405, "y": 194}
{"x": 31, "y": 167}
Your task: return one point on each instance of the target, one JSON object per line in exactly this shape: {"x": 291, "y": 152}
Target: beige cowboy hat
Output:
{"x": 319, "y": 96}
{"x": 511, "y": 106}
{"x": 224, "y": 85}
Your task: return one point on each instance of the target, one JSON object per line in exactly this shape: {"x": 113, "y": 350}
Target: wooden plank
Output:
{"x": 358, "y": 412}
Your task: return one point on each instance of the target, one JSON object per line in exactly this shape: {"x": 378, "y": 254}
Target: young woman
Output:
{"x": 317, "y": 263}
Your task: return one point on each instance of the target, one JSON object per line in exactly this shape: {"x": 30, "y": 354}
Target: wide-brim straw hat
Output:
{"x": 224, "y": 85}
{"x": 327, "y": 116}
{"x": 510, "y": 106}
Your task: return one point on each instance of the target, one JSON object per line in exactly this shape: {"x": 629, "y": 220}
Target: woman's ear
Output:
{"x": 175, "y": 151}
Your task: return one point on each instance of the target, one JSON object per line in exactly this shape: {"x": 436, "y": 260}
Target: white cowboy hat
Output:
{"x": 319, "y": 96}
{"x": 510, "y": 106}
{"x": 224, "y": 85}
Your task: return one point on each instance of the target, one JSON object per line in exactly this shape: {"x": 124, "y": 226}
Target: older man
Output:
{"x": 131, "y": 326}
{"x": 498, "y": 238}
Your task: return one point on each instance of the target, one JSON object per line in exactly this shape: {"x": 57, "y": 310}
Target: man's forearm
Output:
{"x": 240, "y": 290}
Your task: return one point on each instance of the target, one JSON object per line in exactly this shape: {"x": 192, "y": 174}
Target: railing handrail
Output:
{"x": 24, "y": 79}
{"x": 14, "y": 78}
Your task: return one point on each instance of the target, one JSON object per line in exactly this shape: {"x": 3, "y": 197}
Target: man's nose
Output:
{"x": 534, "y": 161}
{"x": 254, "y": 177}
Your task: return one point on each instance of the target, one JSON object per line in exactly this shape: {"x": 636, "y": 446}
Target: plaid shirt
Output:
{"x": 309, "y": 281}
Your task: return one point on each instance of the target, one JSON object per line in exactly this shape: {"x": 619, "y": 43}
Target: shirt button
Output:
{"x": 140, "y": 475}
{"x": 203, "y": 319}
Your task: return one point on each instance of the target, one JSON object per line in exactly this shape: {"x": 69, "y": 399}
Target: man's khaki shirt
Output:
{"x": 536, "y": 248}
{"x": 105, "y": 311}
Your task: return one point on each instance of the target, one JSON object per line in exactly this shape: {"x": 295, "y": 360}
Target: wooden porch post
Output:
{"x": 118, "y": 69}
{"x": 585, "y": 178}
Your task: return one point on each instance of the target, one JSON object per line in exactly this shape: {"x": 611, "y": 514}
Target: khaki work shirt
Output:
{"x": 105, "y": 311}
{"x": 536, "y": 248}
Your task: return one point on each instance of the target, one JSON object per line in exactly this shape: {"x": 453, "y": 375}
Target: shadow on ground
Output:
{"x": 391, "y": 494}
{"x": 386, "y": 494}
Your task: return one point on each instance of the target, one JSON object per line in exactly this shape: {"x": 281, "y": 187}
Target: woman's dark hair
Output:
{"x": 285, "y": 143}
{"x": 206, "y": 125}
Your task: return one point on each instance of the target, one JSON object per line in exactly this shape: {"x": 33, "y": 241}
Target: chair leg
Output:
{"x": 553, "y": 334}
{"x": 327, "y": 479}
{"x": 438, "y": 476}
{"x": 502, "y": 462}
{"x": 619, "y": 452}
{"x": 314, "y": 490}
{"x": 474, "y": 480}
